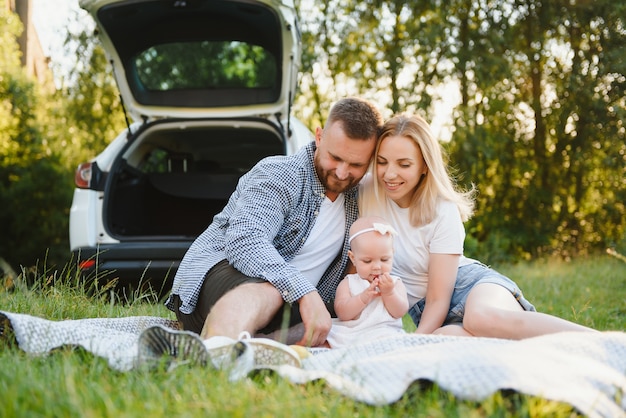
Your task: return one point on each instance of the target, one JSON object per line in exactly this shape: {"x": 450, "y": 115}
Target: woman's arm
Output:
{"x": 442, "y": 271}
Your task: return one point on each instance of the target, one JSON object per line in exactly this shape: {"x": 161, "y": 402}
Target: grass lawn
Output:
{"x": 73, "y": 383}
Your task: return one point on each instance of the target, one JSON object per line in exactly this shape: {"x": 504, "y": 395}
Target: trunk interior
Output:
{"x": 171, "y": 182}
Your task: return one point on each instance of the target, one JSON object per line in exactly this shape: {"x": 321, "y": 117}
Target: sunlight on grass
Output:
{"x": 589, "y": 291}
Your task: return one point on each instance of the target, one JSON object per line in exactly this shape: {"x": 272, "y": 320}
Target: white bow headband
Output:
{"x": 383, "y": 229}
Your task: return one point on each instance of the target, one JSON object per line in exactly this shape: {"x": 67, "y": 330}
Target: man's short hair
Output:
{"x": 360, "y": 118}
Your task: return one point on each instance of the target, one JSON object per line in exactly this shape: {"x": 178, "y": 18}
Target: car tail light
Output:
{"x": 86, "y": 264}
{"x": 82, "y": 177}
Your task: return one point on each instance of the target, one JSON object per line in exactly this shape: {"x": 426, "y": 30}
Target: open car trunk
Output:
{"x": 170, "y": 182}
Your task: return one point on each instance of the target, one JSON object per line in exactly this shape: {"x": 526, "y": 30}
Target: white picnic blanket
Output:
{"x": 586, "y": 370}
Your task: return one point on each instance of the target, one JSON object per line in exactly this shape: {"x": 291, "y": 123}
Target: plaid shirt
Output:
{"x": 263, "y": 226}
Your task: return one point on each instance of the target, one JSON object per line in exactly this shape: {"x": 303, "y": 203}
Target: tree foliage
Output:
{"x": 535, "y": 91}
{"x": 34, "y": 197}
{"x": 43, "y": 137}
{"x": 543, "y": 139}
{"x": 92, "y": 114}
{"x": 538, "y": 128}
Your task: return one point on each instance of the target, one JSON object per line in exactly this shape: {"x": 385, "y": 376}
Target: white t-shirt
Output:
{"x": 413, "y": 245}
{"x": 324, "y": 242}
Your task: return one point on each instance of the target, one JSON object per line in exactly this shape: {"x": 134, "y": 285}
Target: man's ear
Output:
{"x": 318, "y": 136}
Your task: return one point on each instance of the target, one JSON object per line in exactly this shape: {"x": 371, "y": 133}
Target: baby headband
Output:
{"x": 378, "y": 227}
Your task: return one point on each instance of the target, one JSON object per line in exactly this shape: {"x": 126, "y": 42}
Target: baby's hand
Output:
{"x": 371, "y": 292}
{"x": 373, "y": 287}
{"x": 386, "y": 283}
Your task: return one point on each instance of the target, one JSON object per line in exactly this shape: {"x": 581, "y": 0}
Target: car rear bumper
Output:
{"x": 133, "y": 264}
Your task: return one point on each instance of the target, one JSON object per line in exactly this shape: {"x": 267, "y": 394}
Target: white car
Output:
{"x": 209, "y": 85}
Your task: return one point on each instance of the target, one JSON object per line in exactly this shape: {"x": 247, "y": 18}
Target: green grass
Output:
{"x": 72, "y": 383}
{"x": 591, "y": 291}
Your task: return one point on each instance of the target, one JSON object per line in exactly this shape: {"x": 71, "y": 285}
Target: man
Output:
{"x": 274, "y": 256}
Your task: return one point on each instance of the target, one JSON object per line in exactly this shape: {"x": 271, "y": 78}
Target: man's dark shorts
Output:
{"x": 217, "y": 282}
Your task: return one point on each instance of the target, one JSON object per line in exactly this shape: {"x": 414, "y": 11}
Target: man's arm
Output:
{"x": 263, "y": 206}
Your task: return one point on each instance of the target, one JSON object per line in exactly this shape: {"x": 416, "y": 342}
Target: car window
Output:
{"x": 205, "y": 65}
{"x": 155, "y": 162}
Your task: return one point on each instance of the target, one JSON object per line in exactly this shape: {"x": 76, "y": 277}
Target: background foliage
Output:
{"x": 530, "y": 94}
{"x": 44, "y": 135}
{"x": 35, "y": 190}
{"x": 537, "y": 102}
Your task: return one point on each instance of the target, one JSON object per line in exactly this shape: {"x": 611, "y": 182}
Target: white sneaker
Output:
{"x": 269, "y": 354}
{"x": 236, "y": 357}
{"x": 161, "y": 345}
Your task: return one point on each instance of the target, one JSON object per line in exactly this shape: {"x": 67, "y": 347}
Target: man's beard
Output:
{"x": 330, "y": 182}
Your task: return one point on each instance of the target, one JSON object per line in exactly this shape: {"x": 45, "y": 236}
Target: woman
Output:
{"x": 448, "y": 293}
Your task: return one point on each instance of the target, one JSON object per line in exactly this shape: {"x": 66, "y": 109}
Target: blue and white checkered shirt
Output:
{"x": 262, "y": 227}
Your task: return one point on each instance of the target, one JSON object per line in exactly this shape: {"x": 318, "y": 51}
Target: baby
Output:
{"x": 371, "y": 303}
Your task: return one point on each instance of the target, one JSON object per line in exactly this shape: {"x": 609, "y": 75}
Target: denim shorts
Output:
{"x": 469, "y": 276}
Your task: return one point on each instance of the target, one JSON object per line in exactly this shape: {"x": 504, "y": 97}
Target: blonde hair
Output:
{"x": 437, "y": 183}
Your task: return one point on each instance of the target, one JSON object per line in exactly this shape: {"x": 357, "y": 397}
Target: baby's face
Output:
{"x": 372, "y": 255}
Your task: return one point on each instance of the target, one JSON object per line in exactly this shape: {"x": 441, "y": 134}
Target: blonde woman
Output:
{"x": 411, "y": 187}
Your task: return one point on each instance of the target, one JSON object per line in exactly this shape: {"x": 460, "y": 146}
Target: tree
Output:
{"x": 92, "y": 114}
{"x": 43, "y": 137}
{"x": 33, "y": 203}
{"x": 551, "y": 171}
{"x": 539, "y": 130}
{"x": 371, "y": 49}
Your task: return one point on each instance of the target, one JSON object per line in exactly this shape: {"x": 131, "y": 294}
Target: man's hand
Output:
{"x": 316, "y": 320}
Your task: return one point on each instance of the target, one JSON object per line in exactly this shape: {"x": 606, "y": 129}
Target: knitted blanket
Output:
{"x": 586, "y": 370}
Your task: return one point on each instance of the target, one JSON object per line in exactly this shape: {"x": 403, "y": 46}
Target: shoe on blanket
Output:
{"x": 235, "y": 357}
{"x": 269, "y": 354}
{"x": 238, "y": 357}
{"x": 160, "y": 344}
